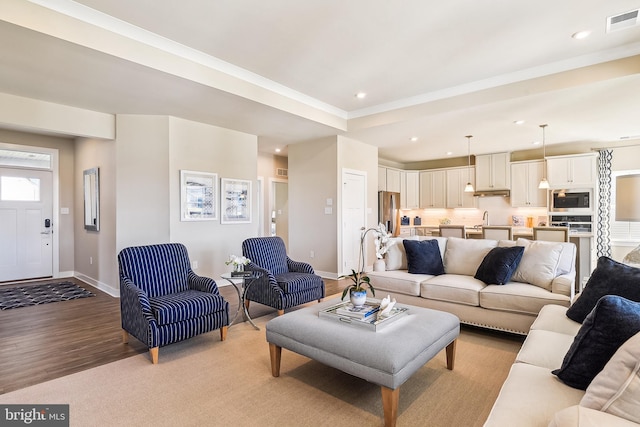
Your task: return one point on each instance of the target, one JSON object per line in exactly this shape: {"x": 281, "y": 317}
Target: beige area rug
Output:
{"x": 206, "y": 382}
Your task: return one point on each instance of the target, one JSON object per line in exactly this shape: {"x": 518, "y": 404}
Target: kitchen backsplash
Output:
{"x": 499, "y": 210}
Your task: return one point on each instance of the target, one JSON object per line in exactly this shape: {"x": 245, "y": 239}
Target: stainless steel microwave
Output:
{"x": 571, "y": 201}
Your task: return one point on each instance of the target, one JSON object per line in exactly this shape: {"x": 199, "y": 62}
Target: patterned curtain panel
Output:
{"x": 603, "y": 237}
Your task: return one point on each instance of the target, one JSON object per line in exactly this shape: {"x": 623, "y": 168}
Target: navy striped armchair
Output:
{"x": 283, "y": 283}
{"x": 163, "y": 301}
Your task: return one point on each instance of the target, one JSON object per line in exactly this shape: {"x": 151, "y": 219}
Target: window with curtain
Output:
{"x": 622, "y": 232}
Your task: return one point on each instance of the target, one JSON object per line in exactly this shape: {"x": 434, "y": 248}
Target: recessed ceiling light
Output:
{"x": 413, "y": 139}
{"x": 581, "y": 35}
{"x": 518, "y": 122}
{"x": 536, "y": 142}
{"x": 277, "y": 150}
{"x": 449, "y": 153}
{"x": 361, "y": 95}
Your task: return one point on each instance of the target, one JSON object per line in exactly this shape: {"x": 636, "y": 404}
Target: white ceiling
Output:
{"x": 288, "y": 70}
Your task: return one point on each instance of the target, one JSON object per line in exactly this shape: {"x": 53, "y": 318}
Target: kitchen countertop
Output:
{"x": 523, "y": 232}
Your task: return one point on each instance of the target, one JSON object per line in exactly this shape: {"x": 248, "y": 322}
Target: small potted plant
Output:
{"x": 357, "y": 290}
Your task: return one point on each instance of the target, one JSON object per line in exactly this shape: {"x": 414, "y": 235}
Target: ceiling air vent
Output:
{"x": 622, "y": 21}
{"x": 282, "y": 172}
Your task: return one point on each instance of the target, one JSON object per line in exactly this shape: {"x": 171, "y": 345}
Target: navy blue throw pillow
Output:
{"x": 423, "y": 257}
{"x": 499, "y": 264}
{"x": 613, "y": 321}
{"x": 609, "y": 278}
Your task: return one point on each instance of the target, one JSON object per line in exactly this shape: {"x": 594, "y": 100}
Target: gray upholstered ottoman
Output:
{"x": 387, "y": 357}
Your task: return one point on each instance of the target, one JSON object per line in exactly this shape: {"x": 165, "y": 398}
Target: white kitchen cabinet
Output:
{"x": 382, "y": 178}
{"x": 578, "y": 171}
{"x": 389, "y": 179}
{"x": 525, "y": 178}
{"x": 433, "y": 189}
{"x": 410, "y": 198}
{"x": 393, "y": 180}
{"x": 493, "y": 172}
{"x": 457, "y": 179}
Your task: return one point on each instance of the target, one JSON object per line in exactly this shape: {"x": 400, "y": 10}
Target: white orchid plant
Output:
{"x": 236, "y": 260}
{"x": 383, "y": 241}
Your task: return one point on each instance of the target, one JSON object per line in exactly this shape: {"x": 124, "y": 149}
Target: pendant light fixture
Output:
{"x": 469, "y": 187}
{"x": 544, "y": 184}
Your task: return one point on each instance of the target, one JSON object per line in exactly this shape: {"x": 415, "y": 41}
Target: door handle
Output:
{"x": 45, "y": 232}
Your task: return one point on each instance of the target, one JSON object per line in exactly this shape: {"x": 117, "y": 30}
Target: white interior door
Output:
{"x": 353, "y": 218}
{"x": 26, "y": 228}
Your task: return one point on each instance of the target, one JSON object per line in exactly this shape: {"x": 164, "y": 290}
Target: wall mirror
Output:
{"x": 91, "y": 199}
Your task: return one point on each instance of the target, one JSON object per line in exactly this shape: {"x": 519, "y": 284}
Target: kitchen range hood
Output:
{"x": 492, "y": 193}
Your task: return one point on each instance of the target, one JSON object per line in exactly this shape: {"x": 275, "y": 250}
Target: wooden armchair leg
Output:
{"x": 246, "y": 303}
{"x": 223, "y": 333}
{"x": 125, "y": 337}
{"x": 154, "y": 355}
{"x": 280, "y": 312}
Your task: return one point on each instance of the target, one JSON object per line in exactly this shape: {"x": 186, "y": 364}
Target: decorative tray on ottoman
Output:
{"x": 370, "y": 322}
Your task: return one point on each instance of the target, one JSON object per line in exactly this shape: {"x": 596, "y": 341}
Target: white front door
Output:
{"x": 26, "y": 230}
{"x": 353, "y": 218}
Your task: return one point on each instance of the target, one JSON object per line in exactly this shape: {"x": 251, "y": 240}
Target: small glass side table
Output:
{"x": 244, "y": 283}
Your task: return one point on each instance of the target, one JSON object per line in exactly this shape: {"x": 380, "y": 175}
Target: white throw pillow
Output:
{"x": 464, "y": 256}
{"x": 539, "y": 263}
{"x": 616, "y": 389}
{"x": 396, "y": 257}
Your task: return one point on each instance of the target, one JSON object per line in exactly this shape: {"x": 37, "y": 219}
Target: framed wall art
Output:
{"x": 198, "y": 196}
{"x": 236, "y": 201}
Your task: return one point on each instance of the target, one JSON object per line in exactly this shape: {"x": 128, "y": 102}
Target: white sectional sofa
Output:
{"x": 532, "y": 396}
{"x": 545, "y": 275}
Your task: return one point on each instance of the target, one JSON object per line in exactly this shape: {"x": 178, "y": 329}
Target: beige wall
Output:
{"x": 142, "y": 180}
{"x": 315, "y": 175}
{"x": 95, "y": 257}
{"x": 65, "y": 227}
{"x": 230, "y": 154}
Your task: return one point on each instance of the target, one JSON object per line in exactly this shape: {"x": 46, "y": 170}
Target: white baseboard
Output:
{"x": 327, "y": 275}
{"x": 99, "y": 285}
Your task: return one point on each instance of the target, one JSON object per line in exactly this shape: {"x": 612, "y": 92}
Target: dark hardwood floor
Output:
{"x": 44, "y": 342}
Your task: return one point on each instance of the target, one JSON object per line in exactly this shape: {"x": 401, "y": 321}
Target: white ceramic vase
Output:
{"x": 358, "y": 298}
{"x": 379, "y": 265}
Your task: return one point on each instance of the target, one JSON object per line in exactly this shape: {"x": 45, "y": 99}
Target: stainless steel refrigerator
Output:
{"x": 389, "y": 211}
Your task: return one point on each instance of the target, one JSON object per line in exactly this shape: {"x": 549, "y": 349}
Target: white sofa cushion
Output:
{"x": 553, "y": 318}
{"x": 464, "y": 256}
{"x": 545, "y": 349}
{"x": 453, "y": 288}
{"x": 539, "y": 263}
{"x": 400, "y": 281}
{"x": 396, "y": 257}
{"x": 519, "y": 298}
{"x": 530, "y": 396}
{"x": 616, "y": 389}
{"x": 579, "y": 416}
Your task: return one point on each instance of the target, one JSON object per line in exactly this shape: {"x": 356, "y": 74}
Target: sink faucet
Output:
{"x": 485, "y": 218}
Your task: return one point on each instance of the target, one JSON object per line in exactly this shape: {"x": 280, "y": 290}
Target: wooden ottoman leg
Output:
{"x": 451, "y": 354}
{"x": 390, "y": 405}
{"x": 275, "y": 353}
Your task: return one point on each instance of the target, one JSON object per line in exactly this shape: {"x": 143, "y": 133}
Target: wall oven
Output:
{"x": 571, "y": 200}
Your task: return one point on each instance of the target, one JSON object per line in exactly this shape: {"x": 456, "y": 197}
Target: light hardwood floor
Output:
{"x": 44, "y": 342}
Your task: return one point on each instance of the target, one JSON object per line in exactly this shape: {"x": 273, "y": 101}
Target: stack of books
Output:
{"x": 360, "y": 312}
